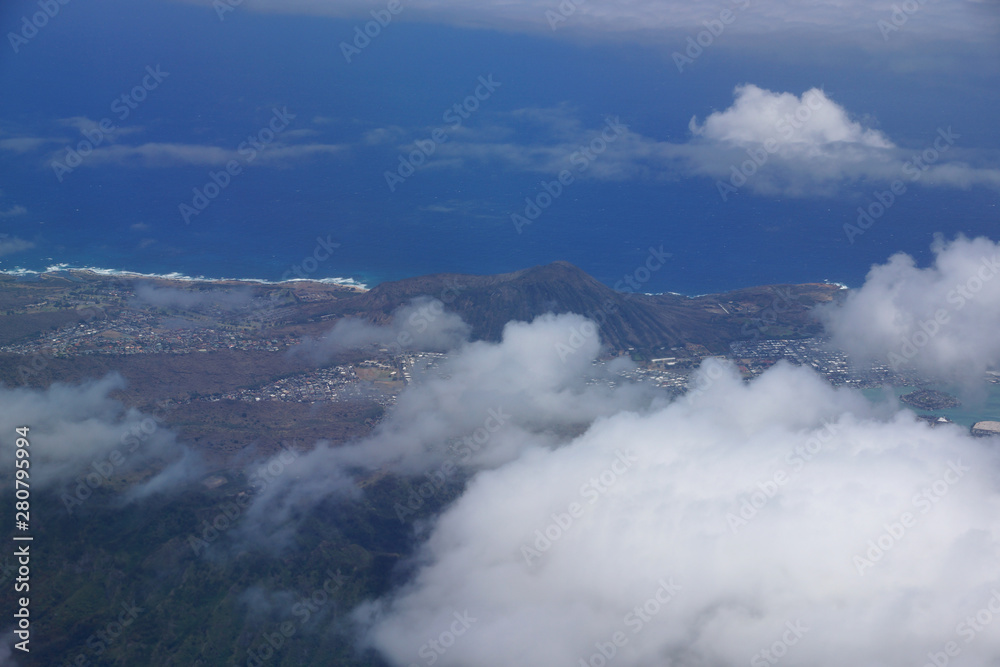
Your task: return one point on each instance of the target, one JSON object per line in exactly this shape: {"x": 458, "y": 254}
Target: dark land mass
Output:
{"x": 930, "y": 399}
{"x": 224, "y": 428}
{"x": 178, "y": 557}
{"x": 630, "y": 321}
{"x": 14, "y": 327}
{"x": 233, "y": 336}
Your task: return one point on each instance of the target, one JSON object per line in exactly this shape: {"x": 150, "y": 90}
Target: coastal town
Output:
{"x": 125, "y": 319}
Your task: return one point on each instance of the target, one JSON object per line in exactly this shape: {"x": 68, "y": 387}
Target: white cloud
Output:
{"x": 173, "y": 297}
{"x": 7, "y": 641}
{"x": 421, "y": 325}
{"x": 13, "y": 211}
{"x": 86, "y": 125}
{"x": 80, "y": 430}
{"x": 510, "y": 396}
{"x": 767, "y": 142}
{"x": 111, "y": 149}
{"x": 668, "y": 517}
{"x": 941, "y": 319}
{"x": 11, "y": 244}
{"x": 176, "y": 154}
{"x": 659, "y": 21}
{"x": 782, "y": 501}
{"x": 811, "y": 120}
{"x": 24, "y": 144}
{"x": 383, "y": 135}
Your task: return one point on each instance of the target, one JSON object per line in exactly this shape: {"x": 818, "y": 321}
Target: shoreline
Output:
{"x": 350, "y": 283}
{"x": 59, "y": 270}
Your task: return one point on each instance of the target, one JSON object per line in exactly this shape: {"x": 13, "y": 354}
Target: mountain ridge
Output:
{"x": 629, "y": 320}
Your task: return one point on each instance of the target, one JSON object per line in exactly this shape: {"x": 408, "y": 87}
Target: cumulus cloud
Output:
{"x": 780, "y": 143}
{"x": 768, "y": 143}
{"x": 780, "y": 515}
{"x": 80, "y": 430}
{"x": 758, "y": 115}
{"x": 186, "y": 299}
{"x": 941, "y": 319}
{"x": 481, "y": 406}
{"x": 421, "y": 325}
{"x": 704, "y": 530}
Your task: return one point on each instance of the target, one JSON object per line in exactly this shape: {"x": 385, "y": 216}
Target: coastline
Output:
{"x": 965, "y": 415}
{"x": 58, "y": 269}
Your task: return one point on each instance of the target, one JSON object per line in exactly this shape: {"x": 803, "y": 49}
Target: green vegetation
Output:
{"x": 196, "y": 608}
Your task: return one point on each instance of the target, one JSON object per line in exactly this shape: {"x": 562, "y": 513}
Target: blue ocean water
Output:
{"x": 984, "y": 406}
{"x": 225, "y": 78}
{"x": 606, "y": 229}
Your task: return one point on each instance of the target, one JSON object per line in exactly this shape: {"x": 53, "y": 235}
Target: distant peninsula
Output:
{"x": 930, "y": 399}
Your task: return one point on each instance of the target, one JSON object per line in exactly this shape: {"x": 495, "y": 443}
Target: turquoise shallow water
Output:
{"x": 968, "y": 413}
